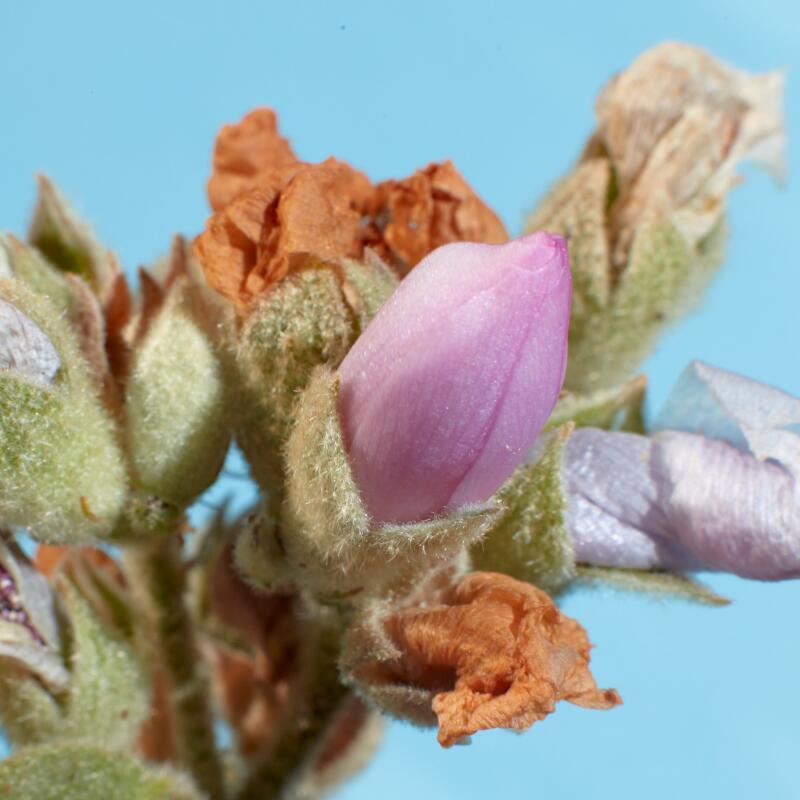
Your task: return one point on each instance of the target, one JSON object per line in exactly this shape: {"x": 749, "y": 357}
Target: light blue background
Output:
{"x": 119, "y": 103}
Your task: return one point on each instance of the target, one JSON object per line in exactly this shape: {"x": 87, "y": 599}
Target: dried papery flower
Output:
{"x": 432, "y": 207}
{"x": 444, "y": 393}
{"x": 247, "y": 154}
{"x": 716, "y": 488}
{"x": 276, "y": 213}
{"x": 314, "y": 215}
{"x": 643, "y": 210}
{"x": 258, "y": 670}
{"x": 491, "y": 651}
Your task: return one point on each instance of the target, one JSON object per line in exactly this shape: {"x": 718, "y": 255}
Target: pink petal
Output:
{"x": 450, "y": 384}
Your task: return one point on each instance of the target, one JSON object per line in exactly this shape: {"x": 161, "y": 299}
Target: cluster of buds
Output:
{"x": 443, "y": 424}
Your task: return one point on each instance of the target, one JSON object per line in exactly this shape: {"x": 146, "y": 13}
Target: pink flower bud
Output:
{"x": 446, "y": 390}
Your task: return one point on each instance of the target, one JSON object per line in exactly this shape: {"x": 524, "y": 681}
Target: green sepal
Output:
{"x": 80, "y": 772}
{"x": 619, "y": 310}
{"x": 62, "y": 472}
{"x": 67, "y": 241}
{"x": 310, "y": 318}
{"x": 657, "y": 584}
{"x": 618, "y": 409}
{"x": 325, "y": 540}
{"x": 29, "y": 267}
{"x": 176, "y": 430}
{"x": 301, "y": 322}
{"x": 367, "y": 286}
{"x": 529, "y": 540}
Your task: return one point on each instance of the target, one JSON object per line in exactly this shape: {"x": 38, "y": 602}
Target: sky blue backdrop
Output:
{"x": 119, "y": 103}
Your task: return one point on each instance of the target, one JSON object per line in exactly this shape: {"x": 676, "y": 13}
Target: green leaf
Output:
{"x": 658, "y": 584}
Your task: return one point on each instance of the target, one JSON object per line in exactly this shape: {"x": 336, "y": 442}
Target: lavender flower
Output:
{"x": 715, "y": 487}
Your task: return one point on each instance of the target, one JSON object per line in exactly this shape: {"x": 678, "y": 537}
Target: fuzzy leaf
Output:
{"x": 657, "y": 584}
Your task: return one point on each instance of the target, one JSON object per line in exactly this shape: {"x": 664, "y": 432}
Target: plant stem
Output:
{"x": 297, "y": 742}
{"x": 158, "y": 572}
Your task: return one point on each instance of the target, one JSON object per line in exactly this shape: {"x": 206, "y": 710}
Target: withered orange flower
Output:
{"x": 276, "y": 213}
{"x": 248, "y": 154}
{"x": 432, "y": 207}
{"x": 255, "y": 686}
{"x": 316, "y": 214}
{"x": 499, "y": 653}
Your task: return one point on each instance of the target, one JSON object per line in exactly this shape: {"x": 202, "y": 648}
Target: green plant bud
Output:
{"x": 176, "y": 427}
{"x": 68, "y": 242}
{"x": 80, "y": 772}
{"x": 325, "y": 541}
{"x": 310, "y": 318}
{"x": 618, "y": 409}
{"x": 62, "y": 472}
{"x": 529, "y": 539}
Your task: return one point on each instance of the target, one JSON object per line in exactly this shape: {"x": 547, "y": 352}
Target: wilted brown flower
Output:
{"x": 275, "y": 213}
{"x": 315, "y": 215}
{"x": 251, "y": 153}
{"x": 430, "y": 208}
{"x": 255, "y": 681}
{"x": 493, "y": 652}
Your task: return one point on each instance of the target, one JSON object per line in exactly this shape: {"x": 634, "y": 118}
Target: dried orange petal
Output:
{"x": 499, "y": 653}
{"x": 432, "y": 207}
{"x": 248, "y": 154}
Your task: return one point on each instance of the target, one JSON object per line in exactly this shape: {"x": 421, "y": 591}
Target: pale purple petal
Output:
{"x": 614, "y": 516}
{"x": 450, "y": 384}
{"x": 680, "y": 502}
{"x": 734, "y": 512}
{"x": 751, "y": 416}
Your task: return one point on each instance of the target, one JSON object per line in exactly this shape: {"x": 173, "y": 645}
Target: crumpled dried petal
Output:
{"x": 248, "y": 154}
{"x": 499, "y": 653}
{"x": 432, "y": 207}
{"x": 316, "y": 214}
{"x": 254, "y": 685}
{"x": 675, "y": 125}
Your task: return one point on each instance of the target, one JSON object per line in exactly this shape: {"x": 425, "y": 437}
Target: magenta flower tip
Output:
{"x": 448, "y": 387}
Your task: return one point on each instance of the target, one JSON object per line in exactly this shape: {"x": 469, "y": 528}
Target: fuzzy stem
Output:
{"x": 324, "y": 693}
{"x": 158, "y": 573}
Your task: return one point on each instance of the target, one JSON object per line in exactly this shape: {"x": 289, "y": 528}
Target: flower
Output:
{"x": 448, "y": 387}
{"x": 432, "y": 207}
{"x": 643, "y": 210}
{"x": 715, "y": 487}
{"x": 484, "y": 652}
